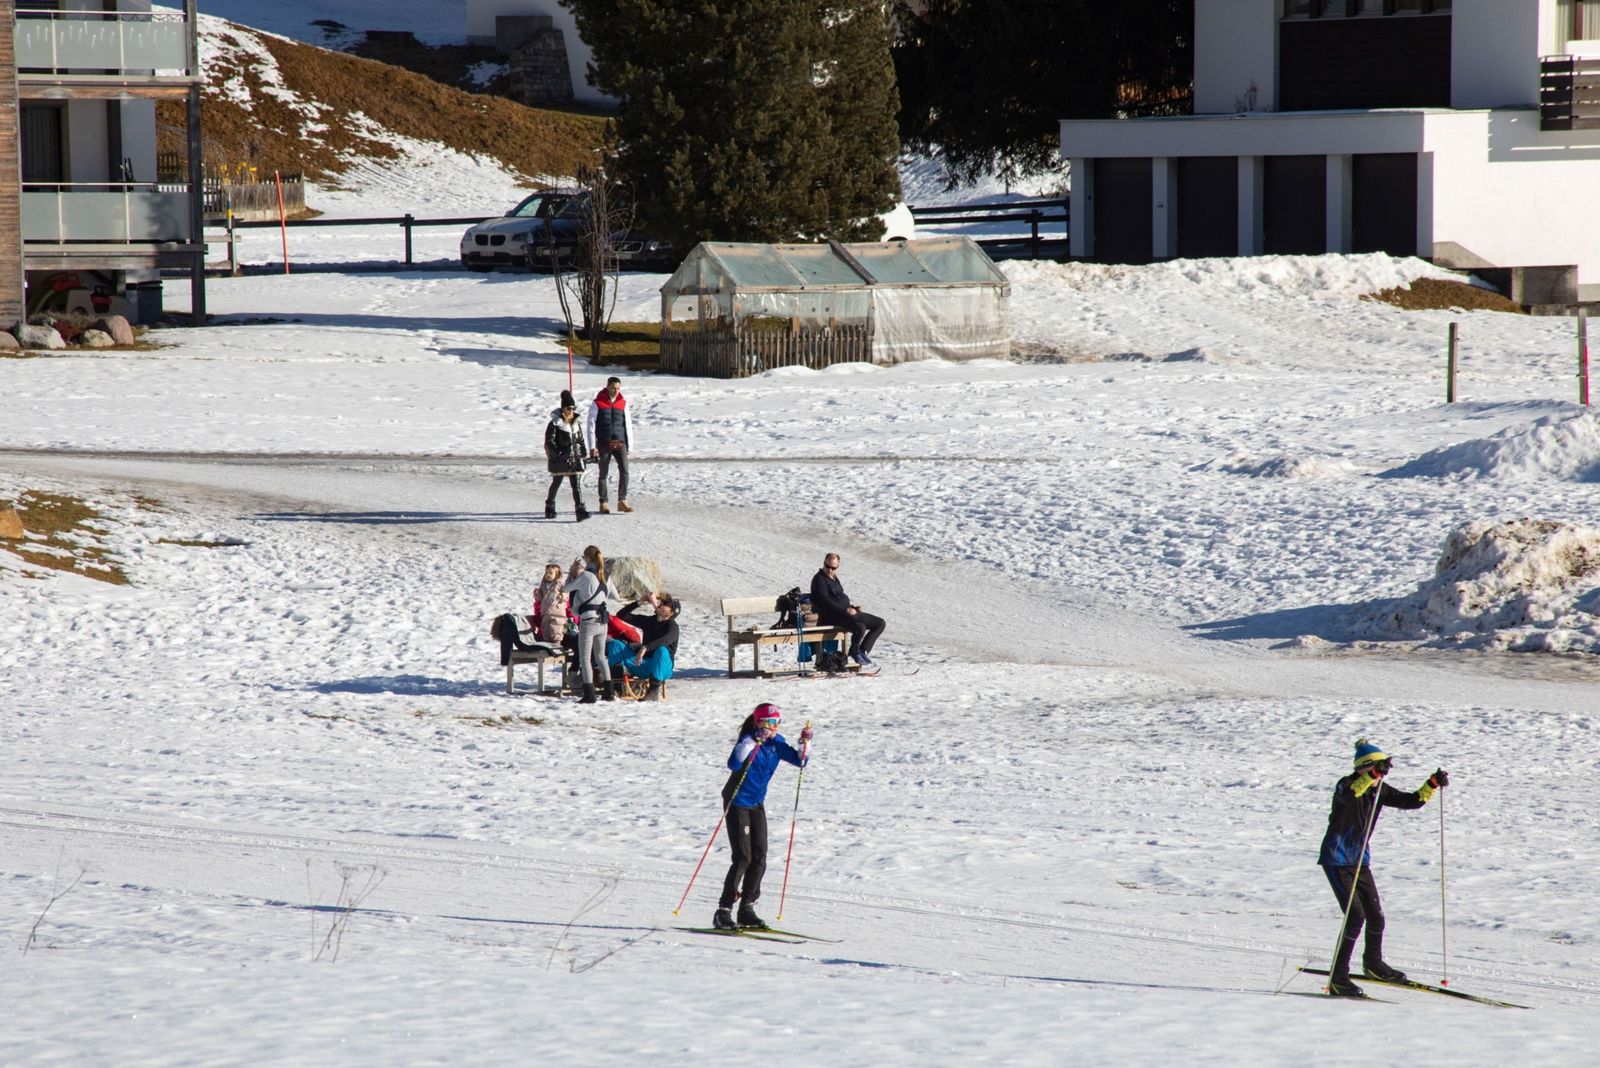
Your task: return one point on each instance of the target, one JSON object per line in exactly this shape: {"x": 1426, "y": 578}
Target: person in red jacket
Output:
{"x": 610, "y": 430}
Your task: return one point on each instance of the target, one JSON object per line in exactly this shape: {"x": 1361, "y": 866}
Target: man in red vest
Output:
{"x": 610, "y": 437}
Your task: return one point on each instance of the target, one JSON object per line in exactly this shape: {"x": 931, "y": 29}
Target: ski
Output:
{"x": 797, "y": 934}
{"x": 1332, "y": 997}
{"x": 744, "y": 932}
{"x": 1412, "y": 984}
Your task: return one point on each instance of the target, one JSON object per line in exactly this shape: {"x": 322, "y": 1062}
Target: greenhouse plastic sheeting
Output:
{"x": 944, "y": 323}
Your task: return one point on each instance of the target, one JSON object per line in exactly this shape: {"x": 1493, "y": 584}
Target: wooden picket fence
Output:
{"x": 723, "y": 353}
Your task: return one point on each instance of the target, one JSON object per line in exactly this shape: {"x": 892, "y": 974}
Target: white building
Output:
{"x": 1405, "y": 126}
{"x": 481, "y": 30}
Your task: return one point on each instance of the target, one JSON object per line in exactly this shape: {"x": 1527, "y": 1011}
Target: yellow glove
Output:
{"x": 1425, "y": 792}
{"x": 1362, "y": 784}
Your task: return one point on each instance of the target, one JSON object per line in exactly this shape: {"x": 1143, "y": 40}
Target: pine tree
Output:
{"x": 750, "y": 120}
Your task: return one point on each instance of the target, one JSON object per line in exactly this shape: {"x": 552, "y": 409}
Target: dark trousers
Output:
{"x": 747, "y": 834}
{"x": 622, "y": 472}
{"x": 555, "y": 484}
{"x": 864, "y": 630}
{"x": 1365, "y": 910}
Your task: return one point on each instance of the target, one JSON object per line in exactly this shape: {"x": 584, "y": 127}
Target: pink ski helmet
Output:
{"x": 767, "y": 715}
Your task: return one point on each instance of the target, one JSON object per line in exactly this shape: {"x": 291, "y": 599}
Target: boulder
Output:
{"x": 95, "y": 339}
{"x": 39, "y": 337}
{"x": 8, "y": 343}
{"x": 634, "y": 576}
{"x": 117, "y": 326}
{"x": 11, "y": 525}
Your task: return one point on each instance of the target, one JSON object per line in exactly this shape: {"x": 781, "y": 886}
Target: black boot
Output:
{"x": 583, "y": 513}
{"x": 549, "y": 509}
{"x": 748, "y": 917}
{"x": 652, "y": 692}
{"x": 723, "y": 920}
{"x": 609, "y": 690}
{"x": 588, "y": 694}
{"x": 1342, "y": 987}
{"x": 1377, "y": 969}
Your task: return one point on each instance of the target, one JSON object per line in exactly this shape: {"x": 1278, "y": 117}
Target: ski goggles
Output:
{"x": 767, "y": 716}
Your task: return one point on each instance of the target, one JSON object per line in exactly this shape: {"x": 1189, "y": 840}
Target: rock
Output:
{"x": 95, "y": 339}
{"x": 39, "y": 337}
{"x": 8, "y": 343}
{"x": 115, "y": 325}
{"x": 11, "y": 525}
{"x": 634, "y": 576}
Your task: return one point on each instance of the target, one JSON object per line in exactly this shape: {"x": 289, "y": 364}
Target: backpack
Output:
{"x": 789, "y": 604}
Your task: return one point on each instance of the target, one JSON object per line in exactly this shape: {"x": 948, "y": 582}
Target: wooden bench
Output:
{"x": 539, "y": 657}
{"x": 757, "y": 635}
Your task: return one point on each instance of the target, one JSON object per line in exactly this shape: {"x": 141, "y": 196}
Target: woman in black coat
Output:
{"x": 564, "y": 453}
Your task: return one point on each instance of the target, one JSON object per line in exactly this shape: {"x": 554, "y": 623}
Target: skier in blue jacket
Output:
{"x": 751, "y": 764}
{"x": 1347, "y": 863}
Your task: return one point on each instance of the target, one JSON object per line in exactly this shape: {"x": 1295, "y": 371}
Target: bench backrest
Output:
{"x": 749, "y": 606}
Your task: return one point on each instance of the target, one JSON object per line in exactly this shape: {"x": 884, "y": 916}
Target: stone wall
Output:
{"x": 539, "y": 71}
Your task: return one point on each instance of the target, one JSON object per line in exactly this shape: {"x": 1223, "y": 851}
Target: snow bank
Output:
{"x": 1299, "y": 467}
{"x": 1325, "y": 277}
{"x": 1526, "y": 585}
{"x": 1565, "y": 446}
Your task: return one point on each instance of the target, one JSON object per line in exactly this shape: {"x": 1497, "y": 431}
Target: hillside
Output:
{"x": 273, "y": 103}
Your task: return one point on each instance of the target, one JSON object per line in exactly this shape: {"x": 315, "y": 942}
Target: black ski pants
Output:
{"x": 1365, "y": 910}
{"x": 864, "y": 630}
{"x": 747, "y": 834}
{"x": 555, "y": 484}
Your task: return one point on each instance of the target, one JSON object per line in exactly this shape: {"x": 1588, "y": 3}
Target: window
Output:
{"x": 1338, "y": 9}
{"x": 1579, "y": 20}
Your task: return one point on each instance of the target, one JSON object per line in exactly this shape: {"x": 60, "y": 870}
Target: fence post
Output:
{"x": 407, "y": 225}
{"x": 1033, "y": 219}
{"x": 1583, "y": 357}
{"x": 1450, "y": 368}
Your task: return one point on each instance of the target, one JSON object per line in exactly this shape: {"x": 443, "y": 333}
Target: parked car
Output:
{"x": 559, "y": 233}
{"x": 504, "y": 242}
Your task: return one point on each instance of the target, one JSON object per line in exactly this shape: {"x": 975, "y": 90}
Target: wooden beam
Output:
{"x": 98, "y": 88}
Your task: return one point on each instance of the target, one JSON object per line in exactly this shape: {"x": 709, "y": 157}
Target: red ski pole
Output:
{"x": 734, "y": 793}
{"x": 798, "y": 779}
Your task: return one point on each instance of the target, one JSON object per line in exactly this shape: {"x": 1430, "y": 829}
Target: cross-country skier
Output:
{"x": 753, "y": 760}
{"x": 1347, "y": 862}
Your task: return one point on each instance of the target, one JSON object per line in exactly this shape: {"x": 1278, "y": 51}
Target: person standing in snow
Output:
{"x": 832, "y": 607}
{"x": 588, "y": 590}
{"x": 564, "y": 455}
{"x": 550, "y": 607}
{"x": 1347, "y": 862}
{"x": 754, "y": 758}
{"x": 611, "y": 436}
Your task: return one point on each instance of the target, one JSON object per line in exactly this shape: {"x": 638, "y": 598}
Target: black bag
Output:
{"x": 832, "y": 663}
{"x": 788, "y": 605}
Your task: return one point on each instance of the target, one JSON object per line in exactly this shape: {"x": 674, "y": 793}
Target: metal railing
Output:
{"x": 1042, "y": 212}
{"x": 1569, "y": 93}
{"x": 98, "y": 42}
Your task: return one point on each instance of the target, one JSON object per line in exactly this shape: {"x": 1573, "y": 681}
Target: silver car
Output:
{"x": 504, "y": 242}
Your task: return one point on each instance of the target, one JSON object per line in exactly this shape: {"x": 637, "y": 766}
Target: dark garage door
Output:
{"x": 1208, "y": 206}
{"x": 1294, "y": 205}
{"x": 1122, "y": 229}
{"x": 1383, "y": 203}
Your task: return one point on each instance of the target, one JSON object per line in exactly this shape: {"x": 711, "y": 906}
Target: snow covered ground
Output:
{"x": 1129, "y": 573}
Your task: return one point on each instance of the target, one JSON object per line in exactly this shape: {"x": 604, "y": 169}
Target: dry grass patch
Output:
{"x": 357, "y": 103}
{"x": 1439, "y": 294}
{"x": 64, "y": 535}
{"x": 636, "y": 346}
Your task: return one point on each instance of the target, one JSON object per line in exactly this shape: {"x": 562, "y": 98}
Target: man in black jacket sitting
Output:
{"x": 832, "y": 607}
{"x": 652, "y": 658}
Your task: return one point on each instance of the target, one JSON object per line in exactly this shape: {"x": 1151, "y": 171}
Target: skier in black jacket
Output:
{"x": 1347, "y": 862}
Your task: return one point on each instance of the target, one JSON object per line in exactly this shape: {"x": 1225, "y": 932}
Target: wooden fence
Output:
{"x": 735, "y": 354}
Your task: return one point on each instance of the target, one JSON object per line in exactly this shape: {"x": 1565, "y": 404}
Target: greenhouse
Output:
{"x": 738, "y": 309}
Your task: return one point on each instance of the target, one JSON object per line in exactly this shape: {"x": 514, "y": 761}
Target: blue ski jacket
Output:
{"x": 1349, "y": 816}
{"x": 753, "y": 791}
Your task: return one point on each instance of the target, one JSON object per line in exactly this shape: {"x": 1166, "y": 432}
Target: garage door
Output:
{"x": 1208, "y": 206}
{"x": 1122, "y": 227}
{"x": 1383, "y": 203}
{"x": 1294, "y": 205}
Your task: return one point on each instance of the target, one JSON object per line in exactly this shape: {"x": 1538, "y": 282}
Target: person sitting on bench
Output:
{"x": 832, "y": 607}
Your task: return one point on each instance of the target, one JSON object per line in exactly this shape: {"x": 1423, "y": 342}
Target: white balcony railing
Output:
{"x": 103, "y": 213}
{"x": 96, "y": 42}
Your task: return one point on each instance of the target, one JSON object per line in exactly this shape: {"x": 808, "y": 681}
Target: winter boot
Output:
{"x": 605, "y": 509}
{"x": 652, "y": 691}
{"x": 583, "y": 513}
{"x": 549, "y": 509}
{"x": 723, "y": 920}
{"x": 588, "y": 694}
{"x": 1342, "y": 987}
{"x": 624, "y": 506}
{"x": 1377, "y": 969}
{"x": 748, "y": 917}
{"x": 608, "y": 690}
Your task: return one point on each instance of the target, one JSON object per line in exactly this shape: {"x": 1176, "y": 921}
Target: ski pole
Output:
{"x": 798, "y": 779}
{"x": 1444, "y": 937}
{"x": 1355, "y": 881}
{"x": 731, "y": 795}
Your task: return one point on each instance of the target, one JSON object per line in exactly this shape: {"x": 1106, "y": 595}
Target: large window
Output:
{"x": 1350, "y": 9}
{"x": 1578, "y": 20}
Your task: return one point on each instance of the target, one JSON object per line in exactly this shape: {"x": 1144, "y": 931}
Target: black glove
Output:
{"x": 1439, "y": 779}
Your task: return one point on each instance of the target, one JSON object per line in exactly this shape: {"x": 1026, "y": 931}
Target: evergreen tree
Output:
{"x": 985, "y": 83}
{"x": 750, "y": 120}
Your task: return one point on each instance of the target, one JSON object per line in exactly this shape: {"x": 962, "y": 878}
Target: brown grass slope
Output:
{"x": 272, "y": 134}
